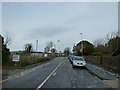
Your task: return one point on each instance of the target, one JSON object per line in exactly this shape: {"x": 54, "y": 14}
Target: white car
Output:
{"x": 78, "y": 61}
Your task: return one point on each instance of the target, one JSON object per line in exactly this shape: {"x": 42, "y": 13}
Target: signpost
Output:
{"x": 16, "y": 58}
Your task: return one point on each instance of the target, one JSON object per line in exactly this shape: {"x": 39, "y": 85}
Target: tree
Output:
{"x": 108, "y": 45}
{"x": 102, "y": 48}
{"x": 98, "y": 42}
{"x": 28, "y": 48}
{"x": 53, "y": 50}
{"x": 5, "y": 51}
{"x": 114, "y": 46}
{"x": 111, "y": 35}
{"x": 8, "y": 38}
{"x": 49, "y": 46}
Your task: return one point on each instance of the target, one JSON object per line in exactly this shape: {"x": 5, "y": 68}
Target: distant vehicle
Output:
{"x": 78, "y": 61}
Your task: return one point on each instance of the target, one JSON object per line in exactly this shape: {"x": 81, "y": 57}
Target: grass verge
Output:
{"x": 25, "y": 60}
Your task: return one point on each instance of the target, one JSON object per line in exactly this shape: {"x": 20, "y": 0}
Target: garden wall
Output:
{"x": 111, "y": 62}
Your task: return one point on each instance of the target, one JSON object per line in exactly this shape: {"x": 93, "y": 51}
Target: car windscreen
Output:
{"x": 79, "y": 59}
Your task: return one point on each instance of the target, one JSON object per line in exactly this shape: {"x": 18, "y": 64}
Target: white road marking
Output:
{"x": 54, "y": 74}
{"x": 4, "y": 80}
{"x": 47, "y": 78}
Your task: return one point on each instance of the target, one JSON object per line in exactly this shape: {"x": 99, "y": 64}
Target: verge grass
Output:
{"x": 26, "y": 60}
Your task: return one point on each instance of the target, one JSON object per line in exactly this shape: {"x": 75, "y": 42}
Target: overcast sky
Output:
{"x": 52, "y": 21}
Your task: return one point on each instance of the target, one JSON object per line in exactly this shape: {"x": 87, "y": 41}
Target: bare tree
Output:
{"x": 8, "y": 38}
{"x": 106, "y": 39}
{"x": 98, "y": 42}
{"x": 49, "y": 46}
{"x": 111, "y": 35}
{"x": 114, "y": 42}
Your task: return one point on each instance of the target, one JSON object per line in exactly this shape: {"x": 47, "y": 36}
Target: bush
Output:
{"x": 5, "y": 54}
{"x": 97, "y": 54}
{"x": 28, "y": 60}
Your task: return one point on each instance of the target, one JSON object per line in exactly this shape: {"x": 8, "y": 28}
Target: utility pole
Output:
{"x": 82, "y": 44}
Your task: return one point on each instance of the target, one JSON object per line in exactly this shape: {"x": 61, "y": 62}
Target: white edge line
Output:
{"x": 47, "y": 78}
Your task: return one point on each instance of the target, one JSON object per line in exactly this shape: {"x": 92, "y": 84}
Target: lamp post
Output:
{"x": 58, "y": 48}
{"x": 36, "y": 45}
{"x": 82, "y": 44}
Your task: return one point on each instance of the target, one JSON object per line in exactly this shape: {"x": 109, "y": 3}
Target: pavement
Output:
{"x": 57, "y": 73}
{"x": 112, "y": 83}
{"x": 111, "y": 78}
{"x": 102, "y": 72}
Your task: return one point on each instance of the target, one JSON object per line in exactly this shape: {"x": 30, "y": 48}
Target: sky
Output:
{"x": 53, "y": 21}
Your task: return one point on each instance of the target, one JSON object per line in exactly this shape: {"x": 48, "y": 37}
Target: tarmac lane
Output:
{"x": 57, "y": 73}
{"x": 68, "y": 77}
{"x": 30, "y": 77}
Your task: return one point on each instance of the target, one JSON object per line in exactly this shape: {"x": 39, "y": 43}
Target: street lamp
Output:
{"x": 82, "y": 44}
{"x": 58, "y": 48}
{"x": 36, "y": 45}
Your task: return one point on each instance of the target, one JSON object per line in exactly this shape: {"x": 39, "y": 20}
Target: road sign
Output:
{"x": 16, "y": 58}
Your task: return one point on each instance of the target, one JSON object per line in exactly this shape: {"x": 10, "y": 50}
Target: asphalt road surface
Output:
{"x": 58, "y": 73}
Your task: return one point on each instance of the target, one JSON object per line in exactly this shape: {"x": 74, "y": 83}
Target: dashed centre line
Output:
{"x": 54, "y": 74}
{"x": 48, "y": 77}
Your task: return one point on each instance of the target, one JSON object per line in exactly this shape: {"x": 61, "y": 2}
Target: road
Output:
{"x": 58, "y": 73}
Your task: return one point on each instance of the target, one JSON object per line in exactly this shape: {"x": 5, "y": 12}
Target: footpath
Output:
{"x": 110, "y": 77}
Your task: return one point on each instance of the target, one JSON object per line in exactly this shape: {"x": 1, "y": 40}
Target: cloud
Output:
{"x": 47, "y": 32}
